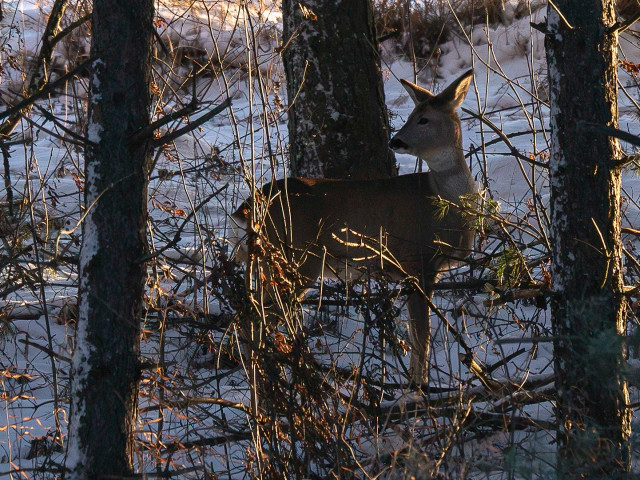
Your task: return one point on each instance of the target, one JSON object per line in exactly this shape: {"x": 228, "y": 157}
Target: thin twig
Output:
{"x": 71, "y": 27}
{"x": 562, "y": 17}
{"x": 7, "y": 174}
{"x": 514, "y": 151}
{"x": 46, "y": 350}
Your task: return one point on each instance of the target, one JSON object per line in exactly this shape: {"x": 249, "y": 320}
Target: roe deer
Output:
{"x": 340, "y": 228}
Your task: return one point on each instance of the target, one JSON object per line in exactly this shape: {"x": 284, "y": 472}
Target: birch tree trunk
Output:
{"x": 106, "y": 365}
{"x": 338, "y": 122}
{"x": 588, "y": 314}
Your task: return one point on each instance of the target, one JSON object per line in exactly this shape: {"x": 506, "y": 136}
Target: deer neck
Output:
{"x": 449, "y": 174}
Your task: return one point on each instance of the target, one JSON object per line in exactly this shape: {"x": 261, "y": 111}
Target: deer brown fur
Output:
{"x": 342, "y": 228}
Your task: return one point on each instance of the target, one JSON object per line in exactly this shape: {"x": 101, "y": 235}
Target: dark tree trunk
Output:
{"x": 594, "y": 420}
{"x": 338, "y": 122}
{"x": 106, "y": 359}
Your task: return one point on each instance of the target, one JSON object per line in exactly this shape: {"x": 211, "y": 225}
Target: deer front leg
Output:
{"x": 420, "y": 337}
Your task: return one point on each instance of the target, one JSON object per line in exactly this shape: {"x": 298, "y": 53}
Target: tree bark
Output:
{"x": 338, "y": 122}
{"x": 588, "y": 308}
{"x": 106, "y": 359}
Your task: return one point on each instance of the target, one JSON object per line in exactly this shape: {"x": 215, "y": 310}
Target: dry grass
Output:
{"x": 431, "y": 22}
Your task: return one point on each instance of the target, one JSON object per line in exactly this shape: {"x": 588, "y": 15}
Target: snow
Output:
{"x": 510, "y": 87}
{"x": 76, "y": 457}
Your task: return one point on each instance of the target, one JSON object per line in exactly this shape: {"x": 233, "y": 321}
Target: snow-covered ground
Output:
{"x": 46, "y": 171}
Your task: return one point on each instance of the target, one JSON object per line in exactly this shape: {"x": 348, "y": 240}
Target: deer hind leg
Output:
{"x": 420, "y": 337}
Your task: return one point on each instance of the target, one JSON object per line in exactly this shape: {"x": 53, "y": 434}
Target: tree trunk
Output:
{"x": 594, "y": 421}
{"x": 106, "y": 359}
{"x": 338, "y": 122}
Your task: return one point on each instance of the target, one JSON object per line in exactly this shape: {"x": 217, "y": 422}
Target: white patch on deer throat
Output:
{"x": 237, "y": 239}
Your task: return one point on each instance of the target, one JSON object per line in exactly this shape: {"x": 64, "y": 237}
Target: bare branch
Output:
{"x": 514, "y": 151}
{"x": 16, "y": 110}
{"x": 192, "y": 126}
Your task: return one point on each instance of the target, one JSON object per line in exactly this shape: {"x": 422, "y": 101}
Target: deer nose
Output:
{"x": 397, "y": 144}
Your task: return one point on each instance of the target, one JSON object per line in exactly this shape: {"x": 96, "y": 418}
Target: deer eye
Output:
{"x": 423, "y": 121}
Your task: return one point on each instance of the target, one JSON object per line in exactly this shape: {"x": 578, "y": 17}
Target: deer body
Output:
{"x": 344, "y": 228}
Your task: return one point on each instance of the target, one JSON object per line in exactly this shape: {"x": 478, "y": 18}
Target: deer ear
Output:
{"x": 417, "y": 94}
{"x": 453, "y": 96}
